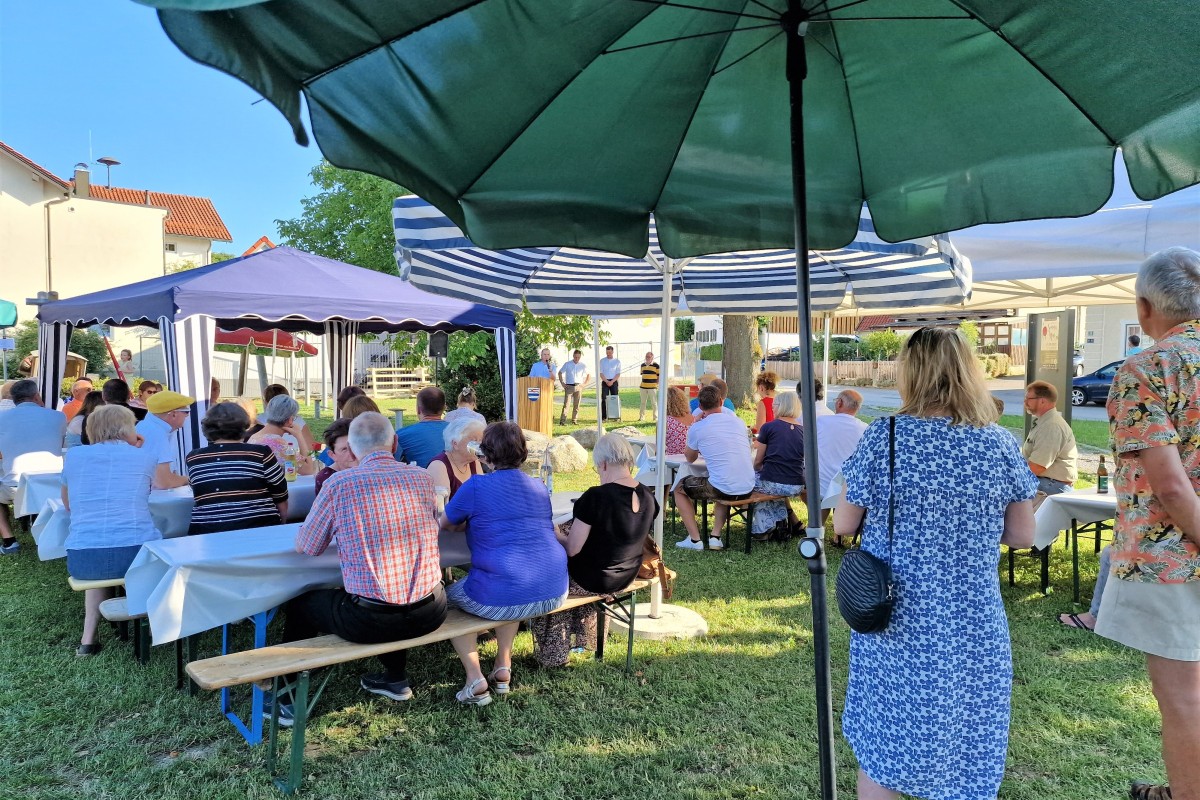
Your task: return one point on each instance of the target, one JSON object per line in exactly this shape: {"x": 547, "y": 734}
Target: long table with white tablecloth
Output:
{"x": 171, "y": 510}
{"x": 1059, "y": 510}
{"x": 196, "y": 583}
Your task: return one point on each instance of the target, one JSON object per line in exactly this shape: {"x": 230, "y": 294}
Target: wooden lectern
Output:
{"x": 535, "y": 404}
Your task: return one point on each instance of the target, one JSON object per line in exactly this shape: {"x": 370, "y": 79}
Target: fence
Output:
{"x": 393, "y": 382}
{"x": 853, "y": 373}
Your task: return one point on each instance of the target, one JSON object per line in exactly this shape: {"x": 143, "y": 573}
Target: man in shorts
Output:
{"x": 724, "y": 442}
{"x": 1152, "y": 601}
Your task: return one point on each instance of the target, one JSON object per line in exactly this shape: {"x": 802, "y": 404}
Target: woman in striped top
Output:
{"x": 236, "y": 485}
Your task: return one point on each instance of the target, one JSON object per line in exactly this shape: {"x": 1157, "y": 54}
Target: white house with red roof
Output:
{"x": 73, "y": 237}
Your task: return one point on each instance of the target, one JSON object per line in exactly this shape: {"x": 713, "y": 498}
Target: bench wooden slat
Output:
{"x": 80, "y": 586}
{"x": 116, "y": 609}
{"x": 251, "y": 666}
{"x": 757, "y": 497}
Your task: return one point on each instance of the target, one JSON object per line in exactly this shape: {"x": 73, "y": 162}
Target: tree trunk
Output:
{"x": 740, "y": 333}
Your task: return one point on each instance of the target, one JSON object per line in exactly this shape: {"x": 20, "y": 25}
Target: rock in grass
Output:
{"x": 585, "y": 436}
{"x": 567, "y": 455}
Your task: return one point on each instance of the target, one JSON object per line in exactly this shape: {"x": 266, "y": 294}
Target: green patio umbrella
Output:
{"x": 741, "y": 124}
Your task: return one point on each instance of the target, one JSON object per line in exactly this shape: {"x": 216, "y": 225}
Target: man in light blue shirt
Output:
{"x": 543, "y": 368}
{"x": 421, "y": 442}
{"x": 167, "y": 411}
{"x": 28, "y": 427}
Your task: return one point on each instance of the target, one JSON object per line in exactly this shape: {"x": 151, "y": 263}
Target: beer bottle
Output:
{"x": 1102, "y": 478}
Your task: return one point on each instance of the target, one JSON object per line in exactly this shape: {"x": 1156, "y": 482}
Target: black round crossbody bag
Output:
{"x": 865, "y": 590}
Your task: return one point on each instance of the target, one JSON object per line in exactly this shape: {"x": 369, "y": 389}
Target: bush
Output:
{"x": 838, "y": 351}
{"x": 712, "y": 352}
{"x": 970, "y": 332}
{"x": 882, "y": 345}
{"x": 472, "y": 362}
{"x": 1003, "y": 365}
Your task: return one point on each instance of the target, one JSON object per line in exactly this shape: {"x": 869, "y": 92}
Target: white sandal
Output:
{"x": 500, "y": 687}
{"x": 467, "y": 696}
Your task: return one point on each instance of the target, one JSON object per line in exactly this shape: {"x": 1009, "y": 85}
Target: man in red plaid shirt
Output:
{"x": 383, "y": 513}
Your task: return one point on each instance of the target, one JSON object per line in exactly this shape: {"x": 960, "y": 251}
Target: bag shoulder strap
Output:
{"x": 891, "y": 480}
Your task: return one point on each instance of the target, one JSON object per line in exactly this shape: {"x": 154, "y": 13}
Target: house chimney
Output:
{"x": 83, "y": 181}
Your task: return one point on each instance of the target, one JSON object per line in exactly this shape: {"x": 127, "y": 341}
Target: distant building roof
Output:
{"x": 188, "y": 216}
{"x": 263, "y": 243}
{"x": 34, "y": 166}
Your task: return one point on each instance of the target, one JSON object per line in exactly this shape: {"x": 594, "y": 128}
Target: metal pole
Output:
{"x": 596, "y": 362}
{"x": 825, "y": 370}
{"x": 795, "y": 27}
{"x": 660, "y": 433}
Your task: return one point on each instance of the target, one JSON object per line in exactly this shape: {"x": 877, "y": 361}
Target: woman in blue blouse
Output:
{"x": 106, "y": 487}
{"x": 518, "y": 568}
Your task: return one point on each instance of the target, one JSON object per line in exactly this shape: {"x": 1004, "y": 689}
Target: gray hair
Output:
{"x": 24, "y": 391}
{"x": 281, "y": 408}
{"x": 1169, "y": 281}
{"x": 370, "y": 431}
{"x": 613, "y": 448}
{"x": 787, "y": 404}
{"x": 457, "y": 428}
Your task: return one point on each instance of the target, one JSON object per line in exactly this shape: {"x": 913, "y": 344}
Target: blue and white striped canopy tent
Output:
{"x": 869, "y": 273}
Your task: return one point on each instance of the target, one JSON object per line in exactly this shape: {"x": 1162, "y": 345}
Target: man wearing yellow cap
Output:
{"x": 167, "y": 413}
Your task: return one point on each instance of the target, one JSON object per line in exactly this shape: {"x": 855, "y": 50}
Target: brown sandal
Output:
{"x": 1149, "y": 791}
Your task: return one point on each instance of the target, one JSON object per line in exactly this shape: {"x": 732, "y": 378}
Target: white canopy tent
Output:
{"x": 1082, "y": 261}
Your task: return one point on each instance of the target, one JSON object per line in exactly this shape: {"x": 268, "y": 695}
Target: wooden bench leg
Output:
{"x": 601, "y": 613}
{"x": 141, "y": 642}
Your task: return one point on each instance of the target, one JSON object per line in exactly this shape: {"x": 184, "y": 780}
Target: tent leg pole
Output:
{"x": 795, "y": 26}
{"x": 660, "y": 432}
{"x": 599, "y": 382}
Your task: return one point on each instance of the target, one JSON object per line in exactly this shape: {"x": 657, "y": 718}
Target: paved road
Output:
{"x": 1011, "y": 390}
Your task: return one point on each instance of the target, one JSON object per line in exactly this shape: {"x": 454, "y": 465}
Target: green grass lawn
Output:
{"x": 727, "y": 716}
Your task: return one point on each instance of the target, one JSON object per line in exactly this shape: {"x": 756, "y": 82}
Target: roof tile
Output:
{"x": 188, "y": 216}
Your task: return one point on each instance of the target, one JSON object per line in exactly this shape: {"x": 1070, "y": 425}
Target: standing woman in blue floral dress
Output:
{"x": 927, "y": 706}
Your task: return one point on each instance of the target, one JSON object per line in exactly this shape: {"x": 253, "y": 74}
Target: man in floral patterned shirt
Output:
{"x": 1153, "y": 603}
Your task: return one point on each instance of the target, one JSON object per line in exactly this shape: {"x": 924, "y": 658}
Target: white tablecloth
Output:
{"x": 33, "y": 490}
{"x": 563, "y": 506}
{"x": 1058, "y": 510}
{"x": 171, "y": 510}
{"x": 196, "y": 583}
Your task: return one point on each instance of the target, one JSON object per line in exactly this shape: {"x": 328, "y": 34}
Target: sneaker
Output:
{"x": 9, "y": 549}
{"x": 378, "y": 683}
{"x": 286, "y": 712}
{"x": 689, "y": 544}
{"x": 715, "y": 544}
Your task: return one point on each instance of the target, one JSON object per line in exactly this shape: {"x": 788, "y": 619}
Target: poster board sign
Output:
{"x": 1051, "y": 348}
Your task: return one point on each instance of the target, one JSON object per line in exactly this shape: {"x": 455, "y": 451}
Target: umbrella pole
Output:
{"x": 599, "y": 382}
{"x": 811, "y": 547}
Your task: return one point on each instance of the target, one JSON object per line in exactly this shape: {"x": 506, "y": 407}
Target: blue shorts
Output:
{"x": 100, "y": 563}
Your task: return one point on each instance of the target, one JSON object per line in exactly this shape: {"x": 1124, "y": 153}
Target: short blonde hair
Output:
{"x": 359, "y": 404}
{"x": 938, "y": 375}
{"x": 787, "y": 404}
{"x": 110, "y": 424}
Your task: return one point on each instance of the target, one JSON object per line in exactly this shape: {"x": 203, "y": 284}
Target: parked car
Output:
{"x": 1077, "y": 363}
{"x": 1093, "y": 387}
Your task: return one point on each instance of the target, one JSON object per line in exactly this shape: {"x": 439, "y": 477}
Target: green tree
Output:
{"x": 84, "y": 342}
{"x": 349, "y": 219}
{"x": 742, "y": 353}
{"x": 535, "y": 332}
{"x": 218, "y": 257}
{"x": 685, "y": 329}
{"x": 970, "y": 332}
{"x": 882, "y": 345}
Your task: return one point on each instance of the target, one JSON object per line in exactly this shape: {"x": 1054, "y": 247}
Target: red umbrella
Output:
{"x": 283, "y": 341}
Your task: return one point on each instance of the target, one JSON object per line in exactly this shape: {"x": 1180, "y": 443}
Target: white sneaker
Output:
{"x": 689, "y": 544}
{"x": 715, "y": 544}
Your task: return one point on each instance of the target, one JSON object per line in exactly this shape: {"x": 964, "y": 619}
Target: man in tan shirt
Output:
{"x": 1050, "y": 447}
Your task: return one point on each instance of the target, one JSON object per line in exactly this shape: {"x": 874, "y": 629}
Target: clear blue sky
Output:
{"x": 70, "y": 67}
